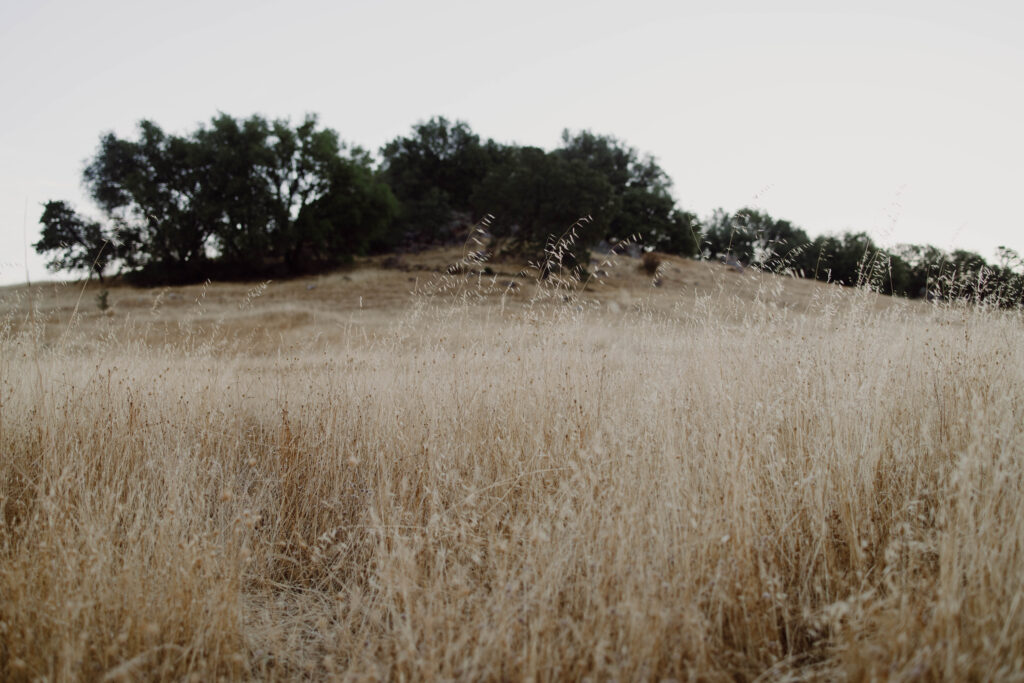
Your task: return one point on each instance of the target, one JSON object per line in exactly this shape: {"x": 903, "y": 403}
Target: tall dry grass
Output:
{"x": 716, "y": 490}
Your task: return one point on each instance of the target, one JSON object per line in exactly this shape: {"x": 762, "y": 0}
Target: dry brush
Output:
{"x": 551, "y": 492}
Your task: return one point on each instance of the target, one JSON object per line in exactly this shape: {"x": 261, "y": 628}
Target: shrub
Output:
{"x": 650, "y": 263}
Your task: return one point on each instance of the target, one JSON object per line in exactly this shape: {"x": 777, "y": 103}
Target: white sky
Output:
{"x": 902, "y": 119}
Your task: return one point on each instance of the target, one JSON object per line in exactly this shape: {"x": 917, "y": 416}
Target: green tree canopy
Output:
{"x": 238, "y": 198}
{"x": 151, "y": 189}
{"x": 536, "y": 195}
{"x": 640, "y": 201}
{"x": 73, "y": 243}
{"x": 755, "y": 237}
{"x": 434, "y": 173}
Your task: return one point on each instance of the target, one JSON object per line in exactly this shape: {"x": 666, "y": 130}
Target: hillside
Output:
{"x": 376, "y": 290}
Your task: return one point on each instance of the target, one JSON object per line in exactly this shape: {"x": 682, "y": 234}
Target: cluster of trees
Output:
{"x": 235, "y": 198}
{"x": 909, "y": 270}
{"x": 247, "y": 198}
{"x": 253, "y": 197}
{"x": 445, "y": 177}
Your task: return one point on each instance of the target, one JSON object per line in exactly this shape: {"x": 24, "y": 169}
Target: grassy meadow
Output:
{"x": 399, "y": 474}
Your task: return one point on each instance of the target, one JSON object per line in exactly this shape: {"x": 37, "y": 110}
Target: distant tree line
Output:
{"x": 909, "y": 270}
{"x": 254, "y": 198}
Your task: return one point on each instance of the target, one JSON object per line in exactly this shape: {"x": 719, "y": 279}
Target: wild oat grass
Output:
{"x": 716, "y": 488}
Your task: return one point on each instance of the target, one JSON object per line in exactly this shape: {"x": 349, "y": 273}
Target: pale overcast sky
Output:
{"x": 902, "y": 119}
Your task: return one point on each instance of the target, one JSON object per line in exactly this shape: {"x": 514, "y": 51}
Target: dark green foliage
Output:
{"x": 72, "y": 243}
{"x": 913, "y": 268}
{"x": 919, "y": 271}
{"x": 434, "y": 173}
{"x": 536, "y": 195}
{"x": 755, "y": 238}
{"x": 965, "y": 275}
{"x": 639, "y": 201}
{"x": 237, "y": 199}
{"x": 242, "y": 210}
{"x": 853, "y": 259}
{"x": 679, "y": 235}
{"x": 1007, "y": 277}
{"x": 354, "y": 213}
{"x": 152, "y": 189}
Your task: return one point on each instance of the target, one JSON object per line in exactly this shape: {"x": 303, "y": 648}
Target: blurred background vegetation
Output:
{"x": 241, "y": 199}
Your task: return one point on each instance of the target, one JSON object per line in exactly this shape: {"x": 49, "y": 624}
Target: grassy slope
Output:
{"x": 724, "y": 477}
{"x": 375, "y": 294}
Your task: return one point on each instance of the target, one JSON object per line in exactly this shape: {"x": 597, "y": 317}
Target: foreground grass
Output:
{"x": 718, "y": 491}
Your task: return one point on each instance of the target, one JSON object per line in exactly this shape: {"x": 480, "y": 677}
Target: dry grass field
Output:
{"x": 731, "y": 476}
